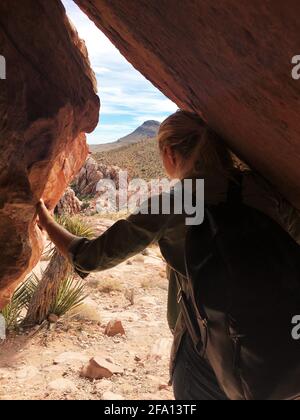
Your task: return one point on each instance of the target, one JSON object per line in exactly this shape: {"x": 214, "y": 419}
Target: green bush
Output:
{"x": 15, "y": 311}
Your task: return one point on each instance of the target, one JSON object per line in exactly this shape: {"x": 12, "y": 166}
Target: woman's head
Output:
{"x": 190, "y": 148}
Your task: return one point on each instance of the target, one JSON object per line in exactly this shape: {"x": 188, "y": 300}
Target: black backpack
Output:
{"x": 243, "y": 291}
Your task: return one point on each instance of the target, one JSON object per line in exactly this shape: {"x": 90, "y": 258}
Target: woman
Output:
{"x": 190, "y": 150}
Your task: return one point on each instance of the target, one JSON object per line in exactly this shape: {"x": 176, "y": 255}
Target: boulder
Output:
{"x": 212, "y": 56}
{"x": 47, "y": 102}
{"x": 69, "y": 204}
{"x": 87, "y": 179}
{"x": 86, "y": 182}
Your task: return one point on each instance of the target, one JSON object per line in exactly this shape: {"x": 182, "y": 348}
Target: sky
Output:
{"x": 127, "y": 98}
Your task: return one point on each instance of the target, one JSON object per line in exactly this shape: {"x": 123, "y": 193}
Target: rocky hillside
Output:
{"x": 141, "y": 160}
{"x": 148, "y": 130}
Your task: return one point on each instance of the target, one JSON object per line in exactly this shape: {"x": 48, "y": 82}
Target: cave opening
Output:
{"x": 132, "y": 109}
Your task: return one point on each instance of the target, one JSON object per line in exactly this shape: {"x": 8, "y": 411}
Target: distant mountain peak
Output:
{"x": 151, "y": 123}
{"x": 148, "y": 130}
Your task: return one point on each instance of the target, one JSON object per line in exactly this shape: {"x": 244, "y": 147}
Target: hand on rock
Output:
{"x": 44, "y": 216}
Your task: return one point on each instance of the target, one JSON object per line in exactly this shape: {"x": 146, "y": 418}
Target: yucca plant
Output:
{"x": 57, "y": 271}
{"x": 71, "y": 294}
{"x": 75, "y": 225}
{"x": 13, "y": 312}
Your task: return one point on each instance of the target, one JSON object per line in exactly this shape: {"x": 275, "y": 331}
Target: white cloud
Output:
{"x": 127, "y": 98}
{"x": 100, "y": 70}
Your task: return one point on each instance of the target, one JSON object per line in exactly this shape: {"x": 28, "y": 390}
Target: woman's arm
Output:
{"x": 123, "y": 240}
{"x": 61, "y": 238}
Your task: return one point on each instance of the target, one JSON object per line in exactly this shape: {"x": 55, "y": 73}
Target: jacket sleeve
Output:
{"x": 123, "y": 240}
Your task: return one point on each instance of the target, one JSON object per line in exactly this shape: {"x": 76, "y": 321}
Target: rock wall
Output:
{"x": 47, "y": 102}
{"x": 69, "y": 204}
{"x": 229, "y": 61}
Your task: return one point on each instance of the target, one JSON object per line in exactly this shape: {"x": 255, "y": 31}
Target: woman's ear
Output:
{"x": 171, "y": 156}
{"x": 170, "y": 161}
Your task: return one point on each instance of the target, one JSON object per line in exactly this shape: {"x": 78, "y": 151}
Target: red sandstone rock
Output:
{"x": 47, "y": 102}
{"x": 229, "y": 61}
{"x": 69, "y": 203}
{"x": 87, "y": 179}
{"x": 99, "y": 368}
{"x": 91, "y": 173}
{"x": 114, "y": 328}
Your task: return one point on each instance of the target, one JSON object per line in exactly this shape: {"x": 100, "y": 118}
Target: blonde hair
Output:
{"x": 187, "y": 134}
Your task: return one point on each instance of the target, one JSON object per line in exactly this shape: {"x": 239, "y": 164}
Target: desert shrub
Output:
{"x": 15, "y": 311}
{"x": 110, "y": 285}
{"x": 77, "y": 226}
{"x": 71, "y": 294}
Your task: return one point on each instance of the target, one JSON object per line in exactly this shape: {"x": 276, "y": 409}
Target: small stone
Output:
{"x": 99, "y": 368}
{"x": 163, "y": 387}
{"x": 137, "y": 359}
{"x": 114, "y": 328}
{"x": 53, "y": 319}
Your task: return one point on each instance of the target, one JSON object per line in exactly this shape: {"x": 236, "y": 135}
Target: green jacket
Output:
{"x": 127, "y": 238}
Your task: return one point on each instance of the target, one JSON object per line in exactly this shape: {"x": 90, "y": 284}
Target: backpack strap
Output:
{"x": 189, "y": 312}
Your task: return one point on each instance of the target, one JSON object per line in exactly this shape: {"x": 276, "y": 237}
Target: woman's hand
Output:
{"x": 44, "y": 216}
{"x": 61, "y": 238}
